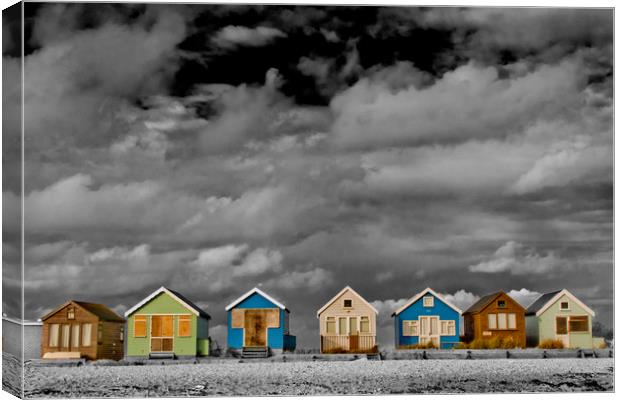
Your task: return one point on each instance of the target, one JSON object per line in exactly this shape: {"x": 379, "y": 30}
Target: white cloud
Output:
{"x": 478, "y": 102}
{"x": 523, "y": 296}
{"x": 461, "y": 299}
{"x": 232, "y": 36}
{"x": 518, "y": 259}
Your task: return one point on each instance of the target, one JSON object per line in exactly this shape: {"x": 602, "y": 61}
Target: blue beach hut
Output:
{"x": 258, "y": 325}
{"x": 426, "y": 317}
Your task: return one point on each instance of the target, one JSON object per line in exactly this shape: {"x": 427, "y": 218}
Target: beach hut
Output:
{"x": 167, "y": 325}
{"x": 348, "y": 324}
{"x": 14, "y": 343}
{"x": 426, "y": 318}
{"x": 258, "y": 324}
{"x": 77, "y": 329}
{"x": 559, "y": 315}
{"x": 496, "y": 315}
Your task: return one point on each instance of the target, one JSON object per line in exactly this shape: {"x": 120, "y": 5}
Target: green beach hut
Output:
{"x": 559, "y": 315}
{"x": 167, "y": 325}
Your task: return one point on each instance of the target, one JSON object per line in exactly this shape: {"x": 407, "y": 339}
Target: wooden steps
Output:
{"x": 162, "y": 355}
{"x": 255, "y": 352}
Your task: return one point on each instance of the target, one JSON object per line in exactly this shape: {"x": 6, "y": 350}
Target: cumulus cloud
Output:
{"x": 524, "y": 296}
{"x": 231, "y": 36}
{"x": 517, "y": 259}
{"x": 480, "y": 104}
{"x": 461, "y": 299}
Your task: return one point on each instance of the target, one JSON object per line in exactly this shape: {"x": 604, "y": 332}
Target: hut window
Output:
{"x": 342, "y": 326}
{"x": 353, "y": 326}
{"x": 86, "y": 334}
{"x": 364, "y": 324}
{"x": 54, "y": 333}
{"x": 121, "y": 336}
{"x": 330, "y": 325}
{"x": 444, "y": 328}
{"x": 410, "y": 328}
{"x": 501, "y": 321}
{"x": 561, "y": 327}
{"x": 564, "y": 305}
{"x": 429, "y": 301}
{"x": 501, "y": 303}
{"x": 75, "y": 336}
{"x": 492, "y": 321}
{"x": 66, "y": 333}
{"x": 512, "y": 321}
{"x": 451, "y": 328}
{"x": 348, "y": 303}
{"x": 578, "y": 323}
{"x": 100, "y": 333}
{"x": 185, "y": 325}
{"x": 71, "y": 313}
{"x": 139, "y": 326}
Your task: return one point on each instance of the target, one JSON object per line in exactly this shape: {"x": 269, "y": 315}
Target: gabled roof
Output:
{"x": 546, "y": 300}
{"x": 419, "y": 296}
{"x": 539, "y": 302}
{"x": 100, "y": 310}
{"x": 340, "y": 294}
{"x": 260, "y": 292}
{"x": 486, "y": 300}
{"x": 175, "y": 295}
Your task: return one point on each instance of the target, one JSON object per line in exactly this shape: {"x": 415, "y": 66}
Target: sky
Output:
{"x": 212, "y": 149}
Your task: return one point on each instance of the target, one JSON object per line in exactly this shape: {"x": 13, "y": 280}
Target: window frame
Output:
{"x": 329, "y": 320}
{"x": 143, "y": 319}
{"x": 494, "y": 316}
{"x": 503, "y": 317}
{"x": 584, "y": 318}
{"x": 428, "y": 301}
{"x": 501, "y": 303}
{"x": 567, "y": 306}
{"x": 362, "y": 319}
{"x": 56, "y": 343}
{"x": 186, "y": 318}
{"x": 344, "y": 303}
{"x": 71, "y": 313}
{"x": 511, "y": 317}
{"x": 87, "y": 340}
{"x": 411, "y": 328}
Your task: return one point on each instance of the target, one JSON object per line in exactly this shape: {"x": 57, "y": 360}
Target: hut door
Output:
{"x": 561, "y": 330}
{"x": 162, "y": 334}
{"x": 255, "y": 328}
{"x": 429, "y": 330}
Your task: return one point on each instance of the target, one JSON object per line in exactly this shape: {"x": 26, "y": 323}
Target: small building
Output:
{"x": 257, "y": 321}
{"x": 78, "y": 329}
{"x": 12, "y": 343}
{"x": 496, "y": 315}
{"x": 348, "y": 324}
{"x": 559, "y": 315}
{"x": 167, "y": 325}
{"x": 427, "y": 318}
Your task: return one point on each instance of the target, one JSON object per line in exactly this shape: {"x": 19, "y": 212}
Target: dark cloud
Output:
{"x": 216, "y": 148}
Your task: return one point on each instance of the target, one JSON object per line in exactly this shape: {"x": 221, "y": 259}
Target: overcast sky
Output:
{"x": 212, "y": 149}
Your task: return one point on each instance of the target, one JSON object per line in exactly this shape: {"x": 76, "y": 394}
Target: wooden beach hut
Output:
{"x": 167, "y": 325}
{"x": 258, "y": 325}
{"x": 348, "y": 324}
{"x": 427, "y": 318}
{"x": 496, "y": 315}
{"x": 559, "y": 315}
{"x": 77, "y": 329}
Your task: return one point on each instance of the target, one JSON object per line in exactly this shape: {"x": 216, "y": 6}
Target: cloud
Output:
{"x": 461, "y": 299}
{"x": 524, "y": 296}
{"x": 517, "y": 259}
{"x": 231, "y": 36}
{"x": 480, "y": 104}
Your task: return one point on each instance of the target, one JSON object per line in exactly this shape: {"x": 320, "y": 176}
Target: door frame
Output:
{"x": 429, "y": 337}
{"x": 160, "y": 337}
{"x": 266, "y": 326}
{"x": 565, "y": 338}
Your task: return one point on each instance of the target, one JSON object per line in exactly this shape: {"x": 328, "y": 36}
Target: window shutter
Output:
{"x": 237, "y": 317}
{"x": 185, "y": 325}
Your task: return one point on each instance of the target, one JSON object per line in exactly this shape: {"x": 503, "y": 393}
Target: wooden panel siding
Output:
{"x": 477, "y": 322}
{"x": 104, "y": 335}
{"x": 347, "y": 318}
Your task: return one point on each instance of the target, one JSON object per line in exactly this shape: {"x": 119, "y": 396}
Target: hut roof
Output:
{"x": 260, "y": 292}
{"x": 175, "y": 295}
{"x": 422, "y": 293}
{"x": 100, "y": 310}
